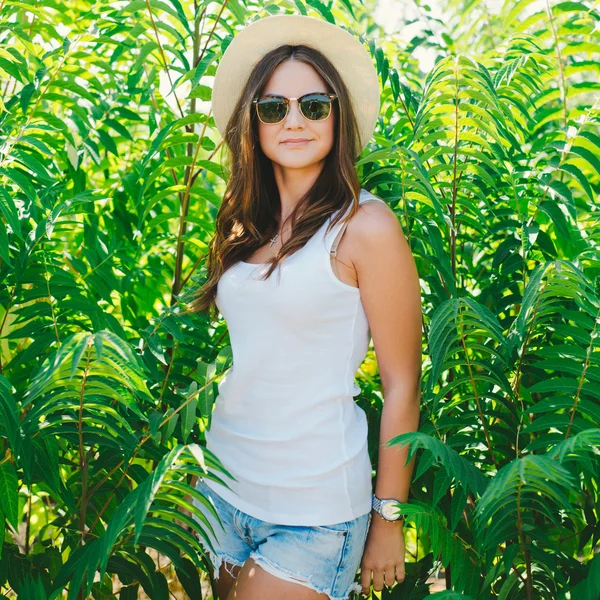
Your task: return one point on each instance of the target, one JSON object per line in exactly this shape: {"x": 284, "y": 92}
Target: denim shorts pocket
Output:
{"x": 336, "y": 528}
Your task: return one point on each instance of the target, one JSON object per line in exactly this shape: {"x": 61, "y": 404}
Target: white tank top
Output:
{"x": 285, "y": 423}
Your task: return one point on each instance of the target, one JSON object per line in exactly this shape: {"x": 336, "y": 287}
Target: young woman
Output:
{"x": 305, "y": 266}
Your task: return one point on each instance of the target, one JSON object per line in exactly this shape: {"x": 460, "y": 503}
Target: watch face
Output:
{"x": 389, "y": 510}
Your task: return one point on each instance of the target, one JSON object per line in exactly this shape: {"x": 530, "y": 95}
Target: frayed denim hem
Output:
{"x": 281, "y": 573}
{"x": 218, "y": 559}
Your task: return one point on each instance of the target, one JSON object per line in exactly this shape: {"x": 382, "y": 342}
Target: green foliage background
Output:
{"x": 111, "y": 174}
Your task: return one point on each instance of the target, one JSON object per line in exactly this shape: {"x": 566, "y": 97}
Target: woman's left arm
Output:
{"x": 390, "y": 292}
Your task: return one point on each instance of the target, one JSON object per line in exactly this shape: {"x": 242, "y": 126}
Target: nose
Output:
{"x": 294, "y": 116}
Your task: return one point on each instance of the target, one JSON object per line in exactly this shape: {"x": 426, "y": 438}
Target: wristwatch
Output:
{"x": 386, "y": 508}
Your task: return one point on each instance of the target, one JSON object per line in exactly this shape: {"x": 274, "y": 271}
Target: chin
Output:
{"x": 299, "y": 164}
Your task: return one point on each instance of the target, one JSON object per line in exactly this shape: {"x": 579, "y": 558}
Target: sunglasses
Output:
{"x": 315, "y": 106}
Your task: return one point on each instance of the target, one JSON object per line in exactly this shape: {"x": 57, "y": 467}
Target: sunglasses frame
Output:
{"x": 331, "y": 97}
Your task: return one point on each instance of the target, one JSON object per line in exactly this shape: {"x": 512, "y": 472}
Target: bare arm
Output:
{"x": 390, "y": 292}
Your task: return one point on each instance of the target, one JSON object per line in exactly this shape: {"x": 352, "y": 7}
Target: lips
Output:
{"x": 298, "y": 142}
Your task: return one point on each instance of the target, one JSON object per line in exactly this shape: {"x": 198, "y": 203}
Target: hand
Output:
{"x": 384, "y": 554}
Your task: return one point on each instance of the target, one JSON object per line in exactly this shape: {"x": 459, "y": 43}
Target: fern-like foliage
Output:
{"x": 111, "y": 176}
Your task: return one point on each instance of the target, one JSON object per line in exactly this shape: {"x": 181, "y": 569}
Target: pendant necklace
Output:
{"x": 274, "y": 238}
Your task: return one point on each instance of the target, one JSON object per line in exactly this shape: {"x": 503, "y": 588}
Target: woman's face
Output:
{"x": 293, "y": 79}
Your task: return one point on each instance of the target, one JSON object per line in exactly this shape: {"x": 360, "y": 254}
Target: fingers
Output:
{"x": 380, "y": 577}
{"x": 365, "y": 580}
{"x": 400, "y": 573}
{"x": 377, "y": 580}
{"x": 389, "y": 577}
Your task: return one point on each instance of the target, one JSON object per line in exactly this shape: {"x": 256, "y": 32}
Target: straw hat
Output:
{"x": 346, "y": 53}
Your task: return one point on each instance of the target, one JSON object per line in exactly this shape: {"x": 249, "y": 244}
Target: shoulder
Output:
{"x": 374, "y": 214}
{"x": 379, "y": 247}
{"x": 374, "y": 227}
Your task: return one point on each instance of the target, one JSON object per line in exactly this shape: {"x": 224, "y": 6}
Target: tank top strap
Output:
{"x": 338, "y": 231}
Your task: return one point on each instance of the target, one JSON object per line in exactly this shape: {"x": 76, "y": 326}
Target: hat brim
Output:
{"x": 345, "y": 52}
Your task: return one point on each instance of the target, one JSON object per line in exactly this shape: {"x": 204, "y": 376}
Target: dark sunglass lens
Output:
{"x": 271, "y": 110}
{"x": 315, "y": 107}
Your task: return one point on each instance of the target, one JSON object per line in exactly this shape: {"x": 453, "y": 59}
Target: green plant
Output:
{"x": 110, "y": 180}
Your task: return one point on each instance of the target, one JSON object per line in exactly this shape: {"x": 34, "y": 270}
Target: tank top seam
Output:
{"x": 349, "y": 392}
{"x": 345, "y": 475}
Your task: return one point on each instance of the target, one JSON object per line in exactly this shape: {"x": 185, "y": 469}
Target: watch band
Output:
{"x": 377, "y": 506}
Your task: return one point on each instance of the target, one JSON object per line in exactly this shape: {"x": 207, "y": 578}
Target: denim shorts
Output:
{"x": 325, "y": 558}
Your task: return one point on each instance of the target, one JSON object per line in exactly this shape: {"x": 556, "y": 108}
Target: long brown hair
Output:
{"x": 247, "y": 217}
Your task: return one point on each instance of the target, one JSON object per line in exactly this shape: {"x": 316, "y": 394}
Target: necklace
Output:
{"x": 274, "y": 238}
